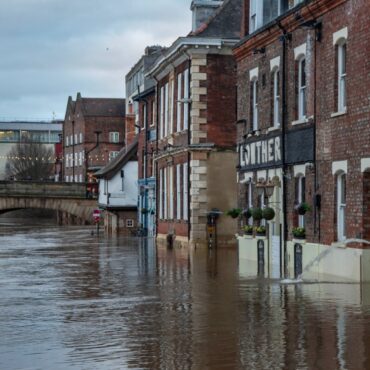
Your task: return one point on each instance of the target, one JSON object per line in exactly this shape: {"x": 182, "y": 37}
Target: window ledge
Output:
{"x": 300, "y": 121}
{"x": 337, "y": 114}
{"x": 299, "y": 241}
{"x": 274, "y": 128}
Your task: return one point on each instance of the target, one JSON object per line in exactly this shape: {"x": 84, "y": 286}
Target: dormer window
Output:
{"x": 262, "y": 12}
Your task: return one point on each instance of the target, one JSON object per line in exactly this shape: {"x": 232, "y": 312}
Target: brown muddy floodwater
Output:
{"x": 70, "y": 300}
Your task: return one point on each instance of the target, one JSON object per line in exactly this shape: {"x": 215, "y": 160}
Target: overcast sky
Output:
{"x": 50, "y": 49}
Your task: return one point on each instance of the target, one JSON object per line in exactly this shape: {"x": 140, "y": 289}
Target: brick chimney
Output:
{"x": 202, "y": 10}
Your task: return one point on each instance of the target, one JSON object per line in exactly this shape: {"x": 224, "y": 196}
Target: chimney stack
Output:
{"x": 203, "y": 10}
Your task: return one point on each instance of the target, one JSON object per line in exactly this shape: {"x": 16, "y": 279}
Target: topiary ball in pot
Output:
{"x": 268, "y": 213}
{"x": 256, "y": 213}
{"x": 247, "y": 213}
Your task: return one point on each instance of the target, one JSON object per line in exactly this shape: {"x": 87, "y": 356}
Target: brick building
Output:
{"x": 93, "y": 134}
{"x": 195, "y": 154}
{"x": 303, "y": 133}
{"x": 141, "y": 121}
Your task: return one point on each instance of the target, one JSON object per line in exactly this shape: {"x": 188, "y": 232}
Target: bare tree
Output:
{"x": 30, "y": 161}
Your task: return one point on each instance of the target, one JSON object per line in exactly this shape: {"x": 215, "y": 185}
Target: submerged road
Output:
{"x": 70, "y": 300}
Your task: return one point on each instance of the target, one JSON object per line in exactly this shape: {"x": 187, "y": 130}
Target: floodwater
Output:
{"x": 71, "y": 300}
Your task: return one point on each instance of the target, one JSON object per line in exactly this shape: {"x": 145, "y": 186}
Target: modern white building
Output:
{"x": 15, "y": 132}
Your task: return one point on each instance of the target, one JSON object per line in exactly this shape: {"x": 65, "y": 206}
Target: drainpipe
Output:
{"x": 283, "y": 38}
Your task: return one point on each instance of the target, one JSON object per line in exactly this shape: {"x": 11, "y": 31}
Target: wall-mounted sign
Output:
{"x": 258, "y": 154}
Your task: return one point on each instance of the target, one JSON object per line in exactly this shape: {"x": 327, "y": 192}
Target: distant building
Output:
{"x": 93, "y": 135}
{"x": 14, "y": 132}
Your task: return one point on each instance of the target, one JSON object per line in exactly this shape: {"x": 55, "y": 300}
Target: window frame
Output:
{"x": 114, "y": 137}
{"x": 254, "y": 104}
{"x": 302, "y": 89}
{"x": 341, "y": 206}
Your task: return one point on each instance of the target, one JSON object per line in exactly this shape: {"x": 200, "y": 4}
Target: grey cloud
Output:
{"x": 53, "y": 48}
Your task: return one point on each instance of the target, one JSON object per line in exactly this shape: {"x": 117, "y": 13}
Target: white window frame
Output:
{"x": 81, "y": 138}
{"x": 186, "y": 98}
{"x": 276, "y": 98}
{"x": 161, "y": 213}
{"x": 302, "y": 98}
{"x": 67, "y": 140}
{"x": 253, "y": 18}
{"x": 114, "y": 137}
{"x": 166, "y": 110}
{"x": 342, "y": 74}
{"x": 178, "y": 191}
{"x": 185, "y": 191}
{"x": 179, "y": 96}
{"x": 143, "y": 124}
{"x": 254, "y": 104}
{"x": 170, "y": 193}
{"x": 341, "y": 206}
{"x": 67, "y": 178}
{"x": 165, "y": 203}
{"x": 113, "y": 154}
{"x": 161, "y": 132}
{"x": 76, "y": 139}
{"x": 171, "y": 106}
{"x": 130, "y": 223}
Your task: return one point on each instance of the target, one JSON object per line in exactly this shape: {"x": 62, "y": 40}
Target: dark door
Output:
{"x": 297, "y": 260}
{"x": 261, "y": 258}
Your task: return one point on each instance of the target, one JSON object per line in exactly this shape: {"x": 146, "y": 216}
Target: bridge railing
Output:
{"x": 48, "y": 189}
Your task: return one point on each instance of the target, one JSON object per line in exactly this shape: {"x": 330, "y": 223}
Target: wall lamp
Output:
{"x": 259, "y": 50}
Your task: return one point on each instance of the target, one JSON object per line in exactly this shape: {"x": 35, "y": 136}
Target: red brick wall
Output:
{"x": 221, "y": 100}
{"x": 345, "y": 137}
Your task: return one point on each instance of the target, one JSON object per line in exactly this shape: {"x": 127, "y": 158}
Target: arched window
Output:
{"x": 276, "y": 98}
{"x": 254, "y": 104}
{"x": 341, "y": 206}
{"x": 341, "y": 76}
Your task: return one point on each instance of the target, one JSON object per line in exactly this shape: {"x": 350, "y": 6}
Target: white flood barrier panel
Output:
{"x": 275, "y": 257}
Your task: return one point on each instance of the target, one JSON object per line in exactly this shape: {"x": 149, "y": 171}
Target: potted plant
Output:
{"x": 299, "y": 232}
{"x": 256, "y": 213}
{"x": 268, "y": 213}
{"x": 248, "y": 229}
{"x": 302, "y": 208}
{"x": 247, "y": 213}
{"x": 260, "y": 230}
{"x": 234, "y": 213}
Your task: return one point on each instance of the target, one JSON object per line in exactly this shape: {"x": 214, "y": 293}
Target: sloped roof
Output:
{"x": 224, "y": 23}
{"x": 114, "y": 166}
{"x": 103, "y": 107}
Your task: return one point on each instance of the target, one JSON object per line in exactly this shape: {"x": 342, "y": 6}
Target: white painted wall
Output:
{"x": 127, "y": 197}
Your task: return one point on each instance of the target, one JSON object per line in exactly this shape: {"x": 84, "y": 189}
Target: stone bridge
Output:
{"x": 69, "y": 199}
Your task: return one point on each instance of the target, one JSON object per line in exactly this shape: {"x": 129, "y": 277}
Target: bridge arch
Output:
{"x": 81, "y": 208}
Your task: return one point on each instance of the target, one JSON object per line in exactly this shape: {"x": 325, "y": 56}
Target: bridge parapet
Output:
{"x": 42, "y": 189}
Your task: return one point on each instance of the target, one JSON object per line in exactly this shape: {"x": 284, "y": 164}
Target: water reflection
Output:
{"x": 70, "y": 300}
